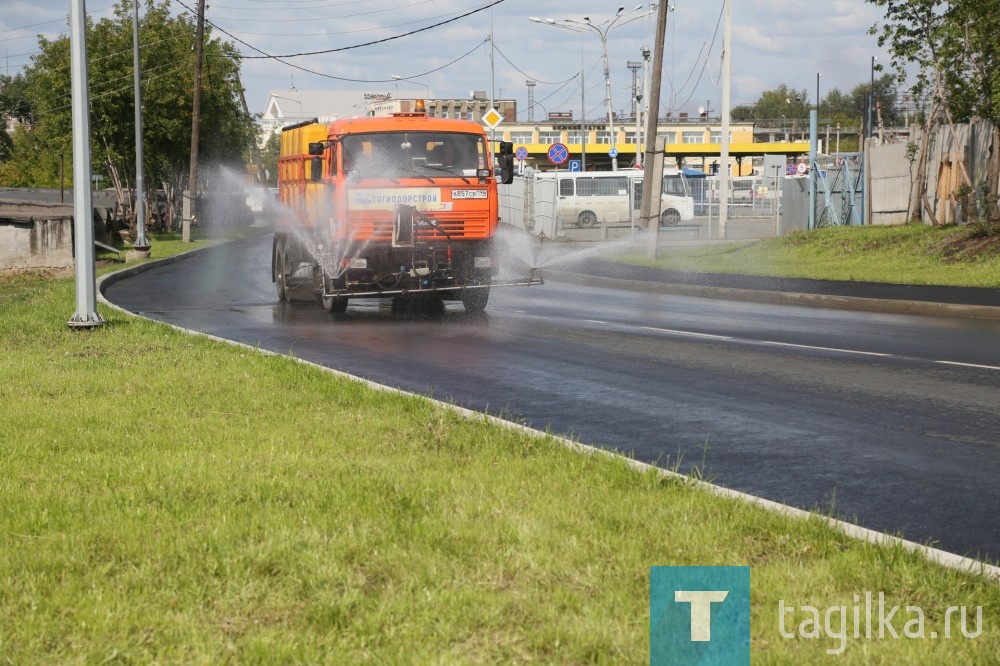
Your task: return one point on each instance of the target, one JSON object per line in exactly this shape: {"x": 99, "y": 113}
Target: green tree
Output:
{"x": 167, "y": 66}
{"x": 780, "y": 104}
{"x": 14, "y": 102}
{"x": 955, "y": 50}
{"x": 14, "y": 105}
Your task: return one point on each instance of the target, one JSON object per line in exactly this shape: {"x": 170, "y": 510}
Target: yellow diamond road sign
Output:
{"x": 492, "y": 118}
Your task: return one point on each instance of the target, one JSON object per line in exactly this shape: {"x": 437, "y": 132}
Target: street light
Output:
{"x": 583, "y": 104}
{"x": 602, "y": 30}
{"x": 141, "y": 244}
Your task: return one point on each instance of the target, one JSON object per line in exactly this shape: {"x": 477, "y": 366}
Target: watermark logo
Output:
{"x": 699, "y": 615}
{"x": 871, "y": 617}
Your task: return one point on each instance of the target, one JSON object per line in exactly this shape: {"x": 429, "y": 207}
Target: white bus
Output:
{"x": 591, "y": 198}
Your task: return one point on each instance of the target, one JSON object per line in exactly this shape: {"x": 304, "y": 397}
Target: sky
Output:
{"x": 443, "y": 46}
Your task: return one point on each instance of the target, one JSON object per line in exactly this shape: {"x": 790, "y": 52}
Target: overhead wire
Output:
{"x": 62, "y": 19}
{"x": 326, "y": 34}
{"x": 701, "y": 73}
{"x": 373, "y": 42}
{"x": 521, "y": 71}
{"x": 281, "y": 58}
{"x": 554, "y": 92}
{"x": 106, "y": 93}
{"x": 313, "y": 19}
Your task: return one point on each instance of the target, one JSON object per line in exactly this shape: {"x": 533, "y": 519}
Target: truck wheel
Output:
{"x": 670, "y": 218}
{"x": 334, "y": 304}
{"x": 288, "y": 255}
{"x": 475, "y": 300}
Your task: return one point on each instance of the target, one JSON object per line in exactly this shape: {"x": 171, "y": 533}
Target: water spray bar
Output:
{"x": 402, "y": 291}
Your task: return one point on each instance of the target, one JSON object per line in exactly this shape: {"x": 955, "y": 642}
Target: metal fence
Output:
{"x": 839, "y": 190}
{"x": 756, "y": 206}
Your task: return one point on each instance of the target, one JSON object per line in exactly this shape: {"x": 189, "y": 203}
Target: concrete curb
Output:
{"x": 881, "y": 305}
{"x": 937, "y": 556}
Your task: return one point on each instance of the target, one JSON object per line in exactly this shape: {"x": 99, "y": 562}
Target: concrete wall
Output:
{"x": 794, "y": 206}
{"x": 36, "y": 243}
{"x": 955, "y": 150}
{"x": 40, "y": 235}
{"x": 889, "y": 173}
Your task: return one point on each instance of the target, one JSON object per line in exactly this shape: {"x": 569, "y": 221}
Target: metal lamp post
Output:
{"x": 602, "y": 31}
{"x": 583, "y": 104}
{"x": 86, "y": 315}
{"x": 141, "y": 244}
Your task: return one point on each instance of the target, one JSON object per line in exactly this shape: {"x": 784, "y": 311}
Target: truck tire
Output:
{"x": 288, "y": 254}
{"x": 278, "y": 271}
{"x": 475, "y": 300}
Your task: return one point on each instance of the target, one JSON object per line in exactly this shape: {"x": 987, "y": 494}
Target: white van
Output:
{"x": 592, "y": 198}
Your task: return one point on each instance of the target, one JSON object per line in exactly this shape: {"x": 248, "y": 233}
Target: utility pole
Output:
{"x": 727, "y": 38}
{"x": 191, "y": 200}
{"x": 647, "y": 217}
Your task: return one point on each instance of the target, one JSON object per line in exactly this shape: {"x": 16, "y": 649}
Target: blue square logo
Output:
{"x": 699, "y": 615}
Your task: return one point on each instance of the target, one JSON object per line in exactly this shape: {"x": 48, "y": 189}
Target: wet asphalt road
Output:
{"x": 893, "y": 419}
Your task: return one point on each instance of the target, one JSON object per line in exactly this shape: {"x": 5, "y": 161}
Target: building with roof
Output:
{"x": 693, "y": 142}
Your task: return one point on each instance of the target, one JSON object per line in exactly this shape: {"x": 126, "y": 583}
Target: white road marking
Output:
{"x": 836, "y": 350}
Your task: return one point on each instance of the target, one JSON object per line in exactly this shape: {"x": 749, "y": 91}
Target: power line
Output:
{"x": 316, "y": 18}
{"x": 63, "y": 19}
{"x": 521, "y": 71}
{"x": 326, "y": 34}
{"x": 371, "y": 43}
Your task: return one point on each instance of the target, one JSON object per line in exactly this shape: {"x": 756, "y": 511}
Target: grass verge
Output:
{"x": 166, "y": 498}
{"x": 910, "y": 254}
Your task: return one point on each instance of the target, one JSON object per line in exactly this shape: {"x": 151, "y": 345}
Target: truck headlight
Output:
{"x": 358, "y": 262}
{"x": 482, "y": 262}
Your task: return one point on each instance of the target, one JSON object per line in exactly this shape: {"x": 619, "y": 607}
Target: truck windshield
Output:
{"x": 401, "y": 154}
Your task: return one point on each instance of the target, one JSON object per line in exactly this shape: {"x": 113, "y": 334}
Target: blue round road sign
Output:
{"x": 613, "y": 152}
{"x": 558, "y": 153}
{"x": 790, "y": 169}
{"x": 521, "y": 153}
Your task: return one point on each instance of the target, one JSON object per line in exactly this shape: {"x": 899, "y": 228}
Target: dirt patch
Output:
{"x": 969, "y": 244}
{"x": 8, "y": 275}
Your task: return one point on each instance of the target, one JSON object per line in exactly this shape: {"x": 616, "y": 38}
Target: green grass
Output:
{"x": 166, "y": 498}
{"x": 911, "y": 254}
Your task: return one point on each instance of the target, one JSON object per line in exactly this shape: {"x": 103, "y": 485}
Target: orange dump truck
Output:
{"x": 402, "y": 206}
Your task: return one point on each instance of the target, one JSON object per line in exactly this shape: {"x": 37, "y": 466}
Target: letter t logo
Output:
{"x": 701, "y": 610}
